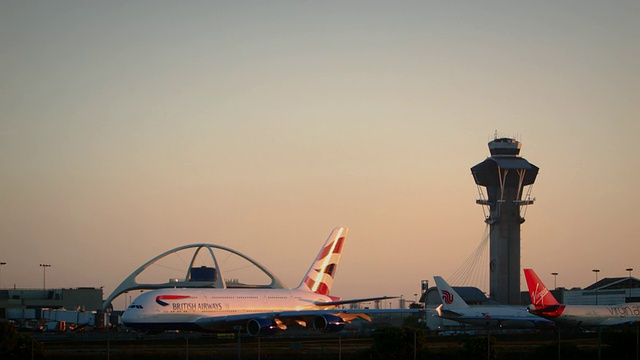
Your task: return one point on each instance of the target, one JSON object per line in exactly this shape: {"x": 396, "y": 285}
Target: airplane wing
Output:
{"x": 269, "y": 322}
{"x": 352, "y": 301}
{"x": 224, "y": 322}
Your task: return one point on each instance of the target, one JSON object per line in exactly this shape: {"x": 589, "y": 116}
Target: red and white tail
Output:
{"x": 319, "y": 278}
{"x": 538, "y": 293}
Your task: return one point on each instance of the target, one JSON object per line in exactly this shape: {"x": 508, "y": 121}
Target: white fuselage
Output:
{"x": 598, "y": 315}
{"x": 497, "y": 316}
{"x": 181, "y": 308}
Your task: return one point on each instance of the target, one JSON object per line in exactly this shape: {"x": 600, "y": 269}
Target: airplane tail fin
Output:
{"x": 319, "y": 278}
{"x": 450, "y": 298}
{"x": 538, "y": 293}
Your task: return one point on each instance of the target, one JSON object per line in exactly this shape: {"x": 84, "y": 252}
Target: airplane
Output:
{"x": 453, "y": 307}
{"x": 544, "y": 304}
{"x": 258, "y": 311}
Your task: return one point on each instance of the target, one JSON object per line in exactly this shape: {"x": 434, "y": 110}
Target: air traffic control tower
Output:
{"x": 505, "y": 175}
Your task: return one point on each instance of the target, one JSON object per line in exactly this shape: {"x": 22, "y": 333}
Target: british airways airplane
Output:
{"x": 544, "y": 304}
{"x": 258, "y": 311}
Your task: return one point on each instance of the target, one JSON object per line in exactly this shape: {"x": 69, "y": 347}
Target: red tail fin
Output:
{"x": 538, "y": 293}
{"x": 319, "y": 278}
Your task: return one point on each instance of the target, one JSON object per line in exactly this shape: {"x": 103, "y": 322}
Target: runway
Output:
{"x": 321, "y": 346}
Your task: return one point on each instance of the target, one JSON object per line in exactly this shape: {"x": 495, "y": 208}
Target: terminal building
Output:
{"x": 608, "y": 291}
{"x": 80, "y": 305}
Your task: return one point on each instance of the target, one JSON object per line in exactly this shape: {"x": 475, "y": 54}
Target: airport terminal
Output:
{"x": 504, "y": 182}
{"x": 84, "y": 306}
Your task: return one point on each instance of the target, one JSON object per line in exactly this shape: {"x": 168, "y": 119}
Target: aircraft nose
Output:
{"x": 128, "y": 316}
{"x": 129, "y": 312}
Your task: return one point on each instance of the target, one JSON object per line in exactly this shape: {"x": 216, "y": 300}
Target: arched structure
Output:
{"x": 231, "y": 269}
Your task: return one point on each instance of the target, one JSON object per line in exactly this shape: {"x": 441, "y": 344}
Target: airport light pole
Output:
{"x": 629, "y": 281}
{"x": 596, "y": 271}
{"x": 555, "y": 280}
{"x": 44, "y": 275}
{"x": 1, "y": 265}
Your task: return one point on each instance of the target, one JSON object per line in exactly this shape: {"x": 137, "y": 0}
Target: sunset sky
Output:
{"x": 128, "y": 128}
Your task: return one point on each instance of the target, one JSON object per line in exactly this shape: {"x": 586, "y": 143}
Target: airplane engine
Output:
{"x": 261, "y": 326}
{"x": 328, "y": 323}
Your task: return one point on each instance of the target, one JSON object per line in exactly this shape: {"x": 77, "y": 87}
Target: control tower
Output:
{"x": 505, "y": 176}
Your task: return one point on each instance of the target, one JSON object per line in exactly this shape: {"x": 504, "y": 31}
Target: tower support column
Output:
{"x": 504, "y": 175}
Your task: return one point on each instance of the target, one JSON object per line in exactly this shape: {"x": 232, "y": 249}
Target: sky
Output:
{"x": 128, "y": 128}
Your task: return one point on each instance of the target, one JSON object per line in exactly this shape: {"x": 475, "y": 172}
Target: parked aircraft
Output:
{"x": 453, "y": 307}
{"x": 544, "y": 304}
{"x": 259, "y": 310}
